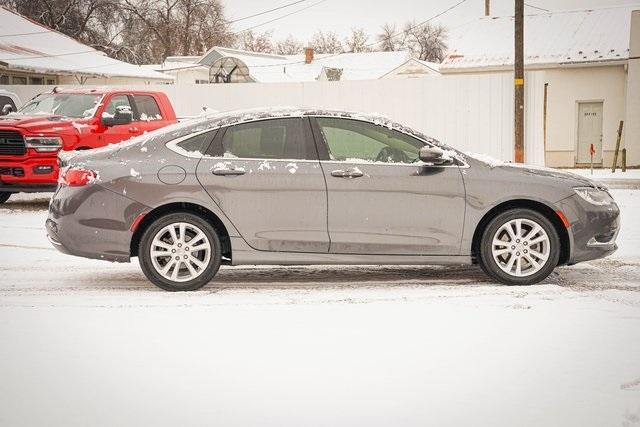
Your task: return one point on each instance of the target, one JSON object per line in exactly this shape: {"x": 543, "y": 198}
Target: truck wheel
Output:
{"x": 180, "y": 252}
{"x": 4, "y": 196}
{"x": 519, "y": 247}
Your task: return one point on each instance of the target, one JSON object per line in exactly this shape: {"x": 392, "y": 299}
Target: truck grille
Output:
{"x": 11, "y": 143}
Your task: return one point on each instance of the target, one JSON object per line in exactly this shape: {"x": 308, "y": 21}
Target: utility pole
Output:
{"x": 518, "y": 81}
{"x": 487, "y": 7}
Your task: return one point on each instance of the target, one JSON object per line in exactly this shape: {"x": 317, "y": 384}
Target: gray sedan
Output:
{"x": 319, "y": 187}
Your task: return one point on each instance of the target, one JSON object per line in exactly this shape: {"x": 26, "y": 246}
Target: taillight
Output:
{"x": 77, "y": 177}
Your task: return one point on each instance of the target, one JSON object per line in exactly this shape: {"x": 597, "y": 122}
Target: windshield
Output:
{"x": 74, "y": 105}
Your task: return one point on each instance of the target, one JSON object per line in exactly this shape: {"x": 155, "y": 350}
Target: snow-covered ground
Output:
{"x": 93, "y": 343}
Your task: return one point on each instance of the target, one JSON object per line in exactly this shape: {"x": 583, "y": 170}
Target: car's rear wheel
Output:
{"x": 519, "y": 247}
{"x": 4, "y": 196}
{"x": 180, "y": 252}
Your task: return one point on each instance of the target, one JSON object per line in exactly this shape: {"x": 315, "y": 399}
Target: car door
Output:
{"x": 381, "y": 198}
{"x": 118, "y": 133}
{"x": 266, "y": 177}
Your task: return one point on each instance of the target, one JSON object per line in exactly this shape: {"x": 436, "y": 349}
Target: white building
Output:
{"x": 583, "y": 65}
{"x": 31, "y": 53}
{"x": 224, "y": 65}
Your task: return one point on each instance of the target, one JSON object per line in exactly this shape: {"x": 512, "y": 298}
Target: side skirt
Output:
{"x": 242, "y": 254}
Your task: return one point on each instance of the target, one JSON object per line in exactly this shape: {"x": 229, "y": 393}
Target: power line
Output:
{"x": 536, "y": 7}
{"x": 266, "y": 11}
{"x": 25, "y": 34}
{"x": 50, "y": 56}
{"x": 278, "y": 18}
{"x": 379, "y": 41}
{"x": 417, "y": 25}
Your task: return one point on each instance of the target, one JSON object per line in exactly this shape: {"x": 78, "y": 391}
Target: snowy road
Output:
{"x": 93, "y": 343}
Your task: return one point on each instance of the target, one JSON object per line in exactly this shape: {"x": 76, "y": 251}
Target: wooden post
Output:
{"x": 487, "y": 7}
{"x": 624, "y": 160}
{"x": 615, "y": 153}
{"x": 518, "y": 80}
{"x": 544, "y": 121}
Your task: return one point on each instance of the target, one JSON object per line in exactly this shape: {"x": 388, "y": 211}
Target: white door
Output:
{"x": 589, "y": 131}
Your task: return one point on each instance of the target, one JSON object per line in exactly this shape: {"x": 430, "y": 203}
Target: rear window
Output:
{"x": 147, "y": 108}
{"x": 195, "y": 143}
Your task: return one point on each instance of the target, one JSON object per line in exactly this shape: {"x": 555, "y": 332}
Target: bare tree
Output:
{"x": 288, "y": 46}
{"x": 173, "y": 27}
{"x": 357, "y": 41}
{"x": 390, "y": 39}
{"x": 80, "y": 19}
{"x": 426, "y": 42}
{"x": 256, "y": 42}
{"x": 326, "y": 43}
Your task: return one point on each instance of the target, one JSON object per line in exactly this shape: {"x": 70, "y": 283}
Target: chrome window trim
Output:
{"x": 172, "y": 144}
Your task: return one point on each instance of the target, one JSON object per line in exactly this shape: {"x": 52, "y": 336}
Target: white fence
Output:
{"x": 469, "y": 112}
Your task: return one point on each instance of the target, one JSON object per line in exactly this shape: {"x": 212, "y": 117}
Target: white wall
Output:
{"x": 469, "y": 112}
{"x": 567, "y": 87}
{"x": 632, "y": 123}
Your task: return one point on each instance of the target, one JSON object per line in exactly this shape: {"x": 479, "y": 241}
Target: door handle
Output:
{"x": 228, "y": 171}
{"x": 349, "y": 173}
{"x": 133, "y": 129}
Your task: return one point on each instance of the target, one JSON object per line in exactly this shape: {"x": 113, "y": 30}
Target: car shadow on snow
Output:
{"x": 32, "y": 205}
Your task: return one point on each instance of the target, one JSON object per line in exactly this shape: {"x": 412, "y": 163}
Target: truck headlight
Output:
{"x": 595, "y": 196}
{"x": 44, "y": 144}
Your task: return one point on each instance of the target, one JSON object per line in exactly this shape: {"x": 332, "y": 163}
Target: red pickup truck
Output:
{"x": 77, "y": 119}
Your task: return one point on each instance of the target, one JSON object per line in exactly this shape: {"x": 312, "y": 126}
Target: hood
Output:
{"x": 45, "y": 124}
{"x": 569, "y": 178}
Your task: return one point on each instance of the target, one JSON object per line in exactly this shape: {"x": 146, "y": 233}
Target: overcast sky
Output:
{"x": 341, "y": 15}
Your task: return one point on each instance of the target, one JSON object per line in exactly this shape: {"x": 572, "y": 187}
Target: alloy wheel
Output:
{"x": 180, "y": 252}
{"x": 521, "y": 247}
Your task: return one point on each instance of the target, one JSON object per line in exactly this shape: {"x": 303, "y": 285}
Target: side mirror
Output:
{"x": 8, "y": 108}
{"x": 434, "y": 155}
{"x": 123, "y": 116}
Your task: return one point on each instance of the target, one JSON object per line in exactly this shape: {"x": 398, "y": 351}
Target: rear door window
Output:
{"x": 146, "y": 108}
{"x": 269, "y": 139}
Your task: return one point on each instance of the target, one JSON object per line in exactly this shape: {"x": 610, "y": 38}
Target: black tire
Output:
{"x": 144, "y": 252}
{"x": 4, "y": 196}
{"x": 489, "y": 264}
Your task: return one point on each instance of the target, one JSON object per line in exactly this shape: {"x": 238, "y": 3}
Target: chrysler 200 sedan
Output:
{"x": 319, "y": 187}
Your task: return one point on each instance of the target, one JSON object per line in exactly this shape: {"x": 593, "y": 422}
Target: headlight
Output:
{"x": 44, "y": 144}
{"x": 595, "y": 196}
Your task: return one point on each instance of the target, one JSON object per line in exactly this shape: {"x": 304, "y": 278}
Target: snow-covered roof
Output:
{"x": 264, "y": 67}
{"x": 29, "y": 46}
{"x": 567, "y": 37}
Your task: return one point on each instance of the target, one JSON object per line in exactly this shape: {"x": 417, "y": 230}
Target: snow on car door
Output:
{"x": 266, "y": 178}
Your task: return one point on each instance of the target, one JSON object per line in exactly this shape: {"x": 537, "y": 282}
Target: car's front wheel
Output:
{"x": 4, "y": 196}
{"x": 180, "y": 252}
{"x": 519, "y": 247}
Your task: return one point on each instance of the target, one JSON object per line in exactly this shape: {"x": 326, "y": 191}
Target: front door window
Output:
{"x": 357, "y": 141}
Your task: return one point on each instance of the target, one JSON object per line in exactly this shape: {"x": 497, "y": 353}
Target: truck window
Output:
{"x": 116, "y": 101}
{"x": 147, "y": 108}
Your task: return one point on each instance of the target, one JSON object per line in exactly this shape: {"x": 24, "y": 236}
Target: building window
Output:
{"x": 19, "y": 80}
{"x": 36, "y": 80}
{"x": 4, "y": 80}
{"x": 202, "y": 82}
{"x": 51, "y": 81}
